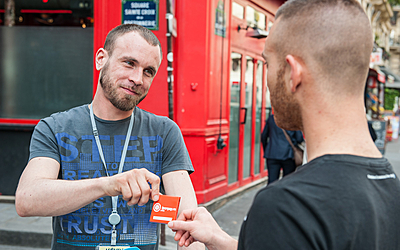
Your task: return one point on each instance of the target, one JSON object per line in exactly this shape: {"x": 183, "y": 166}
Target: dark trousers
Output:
{"x": 275, "y": 166}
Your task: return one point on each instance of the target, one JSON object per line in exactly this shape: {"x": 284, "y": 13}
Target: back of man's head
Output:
{"x": 332, "y": 37}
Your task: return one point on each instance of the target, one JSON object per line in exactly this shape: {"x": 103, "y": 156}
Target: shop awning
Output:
{"x": 392, "y": 79}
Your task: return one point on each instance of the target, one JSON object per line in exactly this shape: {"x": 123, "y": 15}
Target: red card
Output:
{"x": 165, "y": 209}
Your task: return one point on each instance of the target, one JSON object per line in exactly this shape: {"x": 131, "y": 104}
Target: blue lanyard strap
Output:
{"x": 114, "y": 218}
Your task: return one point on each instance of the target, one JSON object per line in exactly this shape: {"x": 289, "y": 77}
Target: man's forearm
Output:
{"x": 222, "y": 241}
{"x": 46, "y": 197}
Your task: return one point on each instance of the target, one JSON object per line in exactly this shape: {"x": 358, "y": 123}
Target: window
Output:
{"x": 254, "y": 18}
{"x": 46, "y": 64}
{"x": 237, "y": 10}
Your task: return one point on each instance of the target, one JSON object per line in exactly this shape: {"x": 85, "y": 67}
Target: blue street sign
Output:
{"x": 144, "y": 13}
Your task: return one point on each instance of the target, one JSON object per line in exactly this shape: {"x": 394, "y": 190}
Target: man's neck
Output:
{"x": 338, "y": 131}
{"x": 105, "y": 110}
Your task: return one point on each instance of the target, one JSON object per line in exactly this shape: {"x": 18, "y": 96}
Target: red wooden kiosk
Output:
{"x": 216, "y": 72}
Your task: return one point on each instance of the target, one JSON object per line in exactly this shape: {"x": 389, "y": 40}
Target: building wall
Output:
{"x": 207, "y": 34}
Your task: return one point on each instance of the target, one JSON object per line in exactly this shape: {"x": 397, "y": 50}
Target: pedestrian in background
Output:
{"x": 277, "y": 150}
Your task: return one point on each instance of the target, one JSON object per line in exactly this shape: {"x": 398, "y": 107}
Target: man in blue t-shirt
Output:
{"x": 98, "y": 168}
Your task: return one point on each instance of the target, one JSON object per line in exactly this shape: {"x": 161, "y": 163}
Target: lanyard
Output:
{"x": 114, "y": 217}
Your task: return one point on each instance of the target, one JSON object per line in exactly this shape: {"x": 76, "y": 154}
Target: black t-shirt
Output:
{"x": 333, "y": 202}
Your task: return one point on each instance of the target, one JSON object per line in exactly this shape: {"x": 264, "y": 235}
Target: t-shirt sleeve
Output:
{"x": 278, "y": 220}
{"x": 43, "y": 141}
{"x": 174, "y": 151}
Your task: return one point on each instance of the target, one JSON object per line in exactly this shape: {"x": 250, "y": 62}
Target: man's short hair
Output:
{"x": 333, "y": 37}
{"x": 122, "y": 29}
{"x": 297, "y": 7}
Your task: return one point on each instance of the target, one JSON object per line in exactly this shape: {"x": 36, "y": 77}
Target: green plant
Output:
{"x": 390, "y": 95}
{"x": 394, "y": 2}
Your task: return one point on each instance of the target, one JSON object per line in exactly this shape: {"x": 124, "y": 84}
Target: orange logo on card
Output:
{"x": 157, "y": 207}
{"x": 165, "y": 210}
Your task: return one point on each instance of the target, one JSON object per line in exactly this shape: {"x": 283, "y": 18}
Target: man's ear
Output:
{"x": 101, "y": 58}
{"x": 296, "y": 71}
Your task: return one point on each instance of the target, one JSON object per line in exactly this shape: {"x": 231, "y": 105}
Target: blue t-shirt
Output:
{"x": 156, "y": 144}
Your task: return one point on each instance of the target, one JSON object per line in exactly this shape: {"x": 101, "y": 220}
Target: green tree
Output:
{"x": 394, "y": 2}
{"x": 390, "y": 95}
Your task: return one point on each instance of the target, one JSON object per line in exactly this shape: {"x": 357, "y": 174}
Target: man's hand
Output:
{"x": 134, "y": 186}
{"x": 41, "y": 193}
{"x": 199, "y": 225}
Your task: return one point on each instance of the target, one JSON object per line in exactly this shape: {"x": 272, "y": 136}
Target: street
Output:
{"x": 392, "y": 153}
{"x": 231, "y": 214}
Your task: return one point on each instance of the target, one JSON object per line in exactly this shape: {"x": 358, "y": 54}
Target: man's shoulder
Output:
{"x": 75, "y": 112}
{"x": 323, "y": 176}
{"x": 146, "y": 113}
{"x": 153, "y": 119}
{"x": 301, "y": 182}
{"x": 64, "y": 117}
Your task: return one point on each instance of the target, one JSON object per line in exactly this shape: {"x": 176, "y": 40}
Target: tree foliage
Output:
{"x": 390, "y": 95}
{"x": 394, "y": 2}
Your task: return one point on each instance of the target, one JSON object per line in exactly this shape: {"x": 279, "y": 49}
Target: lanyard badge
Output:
{"x": 117, "y": 247}
{"x": 114, "y": 218}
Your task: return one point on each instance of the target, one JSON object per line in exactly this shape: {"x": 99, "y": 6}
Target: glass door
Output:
{"x": 257, "y": 139}
{"x": 246, "y": 92}
{"x": 248, "y": 95}
{"x": 248, "y": 119}
{"x": 234, "y": 118}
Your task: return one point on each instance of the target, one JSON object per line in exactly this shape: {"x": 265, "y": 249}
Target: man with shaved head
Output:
{"x": 347, "y": 196}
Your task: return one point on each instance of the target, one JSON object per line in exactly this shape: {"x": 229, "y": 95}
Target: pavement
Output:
{"x": 34, "y": 233}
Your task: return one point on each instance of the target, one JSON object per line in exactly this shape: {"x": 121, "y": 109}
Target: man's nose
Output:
{"x": 136, "y": 76}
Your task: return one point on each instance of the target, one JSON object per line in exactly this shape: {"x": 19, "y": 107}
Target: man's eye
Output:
{"x": 149, "y": 72}
{"x": 130, "y": 63}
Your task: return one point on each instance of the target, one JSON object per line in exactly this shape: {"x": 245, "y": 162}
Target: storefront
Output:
{"x": 374, "y": 93}
{"x": 46, "y": 65}
{"x": 215, "y": 71}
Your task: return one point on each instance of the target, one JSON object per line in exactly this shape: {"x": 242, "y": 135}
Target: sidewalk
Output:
{"x": 392, "y": 153}
{"x": 36, "y": 232}
{"x": 228, "y": 210}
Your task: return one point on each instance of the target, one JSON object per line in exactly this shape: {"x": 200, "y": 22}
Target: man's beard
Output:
{"x": 125, "y": 103}
{"x": 286, "y": 109}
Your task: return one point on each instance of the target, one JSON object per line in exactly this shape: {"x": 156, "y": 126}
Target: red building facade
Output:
{"x": 220, "y": 97}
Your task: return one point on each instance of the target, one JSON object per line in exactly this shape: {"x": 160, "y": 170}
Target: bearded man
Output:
{"x": 98, "y": 168}
{"x": 347, "y": 196}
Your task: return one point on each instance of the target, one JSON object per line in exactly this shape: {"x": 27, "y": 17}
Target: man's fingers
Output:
{"x": 145, "y": 191}
{"x": 137, "y": 186}
{"x": 186, "y": 238}
{"x": 179, "y": 225}
{"x": 136, "y": 193}
{"x": 189, "y": 241}
{"x": 186, "y": 215}
{"x": 154, "y": 181}
{"x": 125, "y": 190}
{"x": 178, "y": 234}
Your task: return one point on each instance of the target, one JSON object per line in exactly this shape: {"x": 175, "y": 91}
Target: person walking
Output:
{"x": 277, "y": 149}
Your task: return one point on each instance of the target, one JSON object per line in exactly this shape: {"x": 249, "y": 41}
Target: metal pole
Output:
{"x": 9, "y": 13}
{"x": 169, "y": 17}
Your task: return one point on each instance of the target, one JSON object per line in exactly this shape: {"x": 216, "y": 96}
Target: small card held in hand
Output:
{"x": 165, "y": 209}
